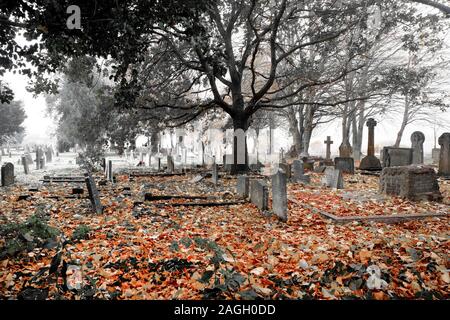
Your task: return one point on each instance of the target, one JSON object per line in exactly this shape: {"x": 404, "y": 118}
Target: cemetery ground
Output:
{"x": 147, "y": 247}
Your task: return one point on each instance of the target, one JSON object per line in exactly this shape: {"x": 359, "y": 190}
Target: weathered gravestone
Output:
{"x": 7, "y": 172}
{"x": 109, "y": 171}
{"x": 411, "y": 182}
{"x": 396, "y": 157}
{"x": 259, "y": 194}
{"x": 215, "y": 174}
{"x": 26, "y": 168}
{"x": 242, "y": 187}
{"x": 49, "y": 155}
{"x": 170, "y": 164}
{"x": 93, "y": 194}
{"x": 444, "y": 157}
{"x": 370, "y": 162}
{"x": 298, "y": 174}
{"x": 435, "y": 154}
{"x": 417, "y": 140}
{"x": 344, "y": 164}
{"x": 333, "y": 178}
{"x": 279, "y": 195}
{"x": 40, "y": 163}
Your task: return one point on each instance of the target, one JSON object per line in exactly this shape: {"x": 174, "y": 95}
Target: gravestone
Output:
{"x": 333, "y": 178}
{"x": 412, "y": 182}
{"x": 279, "y": 195}
{"x": 109, "y": 171}
{"x": 170, "y": 164}
{"x": 242, "y": 187}
{"x": 159, "y": 163}
{"x": 39, "y": 157}
{"x": 259, "y": 194}
{"x": 345, "y": 149}
{"x": 103, "y": 165}
{"x": 298, "y": 174}
{"x": 26, "y": 168}
{"x": 28, "y": 158}
{"x": 328, "y": 142}
{"x": 93, "y": 194}
{"x": 215, "y": 174}
{"x": 7, "y": 172}
{"x": 435, "y": 154}
{"x": 370, "y": 162}
{"x": 396, "y": 157}
{"x": 444, "y": 157}
{"x": 48, "y": 155}
{"x": 417, "y": 140}
{"x": 344, "y": 164}
{"x": 286, "y": 168}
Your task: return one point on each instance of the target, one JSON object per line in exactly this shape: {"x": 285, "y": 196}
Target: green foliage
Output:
{"x": 34, "y": 232}
{"x": 11, "y": 118}
{"x": 82, "y": 232}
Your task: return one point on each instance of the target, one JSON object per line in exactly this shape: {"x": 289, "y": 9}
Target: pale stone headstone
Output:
{"x": 396, "y": 157}
{"x": 242, "y": 187}
{"x": 370, "y": 162}
{"x": 333, "y": 178}
{"x": 259, "y": 194}
{"x": 417, "y": 140}
{"x": 215, "y": 174}
{"x": 279, "y": 195}
{"x": 93, "y": 194}
{"x": 444, "y": 157}
{"x": 346, "y": 164}
{"x": 7, "y": 172}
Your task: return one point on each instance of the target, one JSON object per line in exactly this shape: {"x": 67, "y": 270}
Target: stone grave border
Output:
{"x": 378, "y": 218}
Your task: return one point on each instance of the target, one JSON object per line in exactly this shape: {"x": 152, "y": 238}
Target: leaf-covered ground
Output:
{"x": 151, "y": 251}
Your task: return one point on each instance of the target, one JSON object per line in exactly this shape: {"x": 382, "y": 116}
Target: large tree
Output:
{"x": 12, "y": 116}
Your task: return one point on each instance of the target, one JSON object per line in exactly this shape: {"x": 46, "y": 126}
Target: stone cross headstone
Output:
{"x": 7, "y": 172}
{"x": 417, "y": 140}
{"x": 170, "y": 164}
{"x": 444, "y": 157}
{"x": 279, "y": 195}
{"x": 26, "y": 168}
{"x": 328, "y": 142}
{"x": 93, "y": 194}
{"x": 242, "y": 187}
{"x": 370, "y": 162}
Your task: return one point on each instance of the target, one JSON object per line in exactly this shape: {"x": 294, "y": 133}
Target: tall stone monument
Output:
{"x": 417, "y": 140}
{"x": 444, "y": 157}
{"x": 370, "y": 162}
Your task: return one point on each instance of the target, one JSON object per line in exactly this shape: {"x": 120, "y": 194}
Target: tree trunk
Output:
{"x": 240, "y": 122}
{"x": 154, "y": 141}
{"x": 307, "y": 130}
{"x": 403, "y": 125}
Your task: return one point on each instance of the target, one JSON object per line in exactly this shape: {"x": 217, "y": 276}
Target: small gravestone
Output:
{"x": 49, "y": 155}
{"x": 396, "y": 157}
{"x": 435, "y": 154}
{"x": 279, "y": 195}
{"x": 103, "y": 164}
{"x": 170, "y": 164}
{"x": 344, "y": 164}
{"x": 26, "y": 168}
{"x": 444, "y": 157}
{"x": 411, "y": 182}
{"x": 93, "y": 194}
{"x": 215, "y": 174}
{"x": 242, "y": 186}
{"x": 417, "y": 140}
{"x": 298, "y": 175}
{"x": 333, "y": 178}
{"x": 370, "y": 162}
{"x": 39, "y": 157}
{"x": 7, "y": 172}
{"x": 109, "y": 172}
{"x": 345, "y": 149}
{"x": 259, "y": 194}
{"x": 159, "y": 164}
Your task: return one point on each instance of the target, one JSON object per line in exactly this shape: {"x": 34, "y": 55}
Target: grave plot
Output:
{"x": 361, "y": 200}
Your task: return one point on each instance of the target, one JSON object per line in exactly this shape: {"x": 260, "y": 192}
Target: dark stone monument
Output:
{"x": 286, "y": 168}
{"x": 298, "y": 173}
{"x": 412, "y": 182}
{"x": 7, "y": 172}
{"x": 259, "y": 194}
{"x": 396, "y": 157}
{"x": 345, "y": 164}
{"x": 444, "y": 157}
{"x": 93, "y": 194}
{"x": 170, "y": 164}
{"x": 417, "y": 140}
{"x": 370, "y": 162}
{"x": 109, "y": 171}
{"x": 279, "y": 195}
{"x": 26, "y": 168}
{"x": 242, "y": 187}
{"x": 345, "y": 149}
